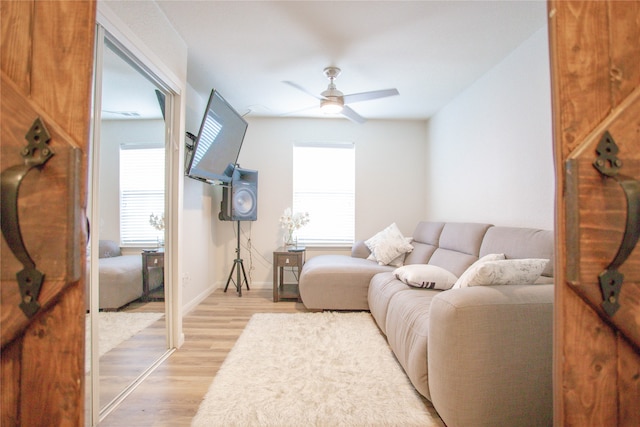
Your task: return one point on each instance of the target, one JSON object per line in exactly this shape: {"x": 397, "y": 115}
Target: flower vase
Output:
{"x": 289, "y": 239}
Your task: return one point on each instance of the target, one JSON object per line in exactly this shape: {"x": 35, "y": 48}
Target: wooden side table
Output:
{"x": 283, "y": 258}
{"x": 151, "y": 260}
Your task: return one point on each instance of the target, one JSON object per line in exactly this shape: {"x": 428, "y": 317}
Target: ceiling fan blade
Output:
{"x": 352, "y": 115}
{"x": 366, "y": 96}
{"x": 289, "y": 113}
{"x": 300, "y": 88}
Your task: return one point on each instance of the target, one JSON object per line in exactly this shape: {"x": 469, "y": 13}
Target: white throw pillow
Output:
{"x": 399, "y": 260}
{"x": 425, "y": 276}
{"x": 463, "y": 280}
{"x": 388, "y": 244}
{"x": 507, "y": 272}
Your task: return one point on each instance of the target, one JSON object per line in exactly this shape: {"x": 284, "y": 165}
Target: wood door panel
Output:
{"x": 625, "y": 49}
{"x": 10, "y": 384}
{"x": 583, "y": 52}
{"x": 15, "y": 41}
{"x": 589, "y": 359}
{"x": 63, "y": 33}
{"x": 46, "y": 199}
{"x": 46, "y": 58}
{"x": 629, "y": 374}
{"x": 595, "y": 63}
{"x": 60, "y": 399}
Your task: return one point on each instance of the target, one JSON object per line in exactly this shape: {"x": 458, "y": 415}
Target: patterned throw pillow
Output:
{"x": 425, "y": 276}
{"x": 389, "y": 244}
{"x": 506, "y": 272}
{"x": 463, "y": 280}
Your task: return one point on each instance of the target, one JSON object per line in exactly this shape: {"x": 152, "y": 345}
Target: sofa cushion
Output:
{"x": 388, "y": 245}
{"x": 407, "y": 327}
{"x": 428, "y": 232}
{"x": 425, "y": 276}
{"x": 425, "y": 241}
{"x": 490, "y": 355}
{"x": 459, "y": 246}
{"x": 463, "y": 237}
{"x": 382, "y": 288}
{"x": 337, "y": 282}
{"x": 504, "y": 272}
{"x": 517, "y": 242}
{"x": 421, "y": 253}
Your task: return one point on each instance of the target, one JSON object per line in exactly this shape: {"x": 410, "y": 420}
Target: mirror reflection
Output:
{"x": 128, "y": 219}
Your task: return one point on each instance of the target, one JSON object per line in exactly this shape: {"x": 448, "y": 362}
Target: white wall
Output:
{"x": 390, "y": 184}
{"x": 490, "y": 150}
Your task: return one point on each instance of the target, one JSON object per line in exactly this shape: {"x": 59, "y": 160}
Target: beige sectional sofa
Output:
{"x": 481, "y": 354}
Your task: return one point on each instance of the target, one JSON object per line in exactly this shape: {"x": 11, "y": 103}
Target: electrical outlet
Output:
{"x": 186, "y": 279}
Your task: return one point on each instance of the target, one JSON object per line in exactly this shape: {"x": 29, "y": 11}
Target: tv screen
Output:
{"x": 217, "y": 146}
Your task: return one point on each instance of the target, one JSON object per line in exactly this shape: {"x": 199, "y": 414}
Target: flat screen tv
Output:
{"x": 216, "y": 148}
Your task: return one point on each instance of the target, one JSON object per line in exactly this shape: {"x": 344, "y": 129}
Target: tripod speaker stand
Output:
{"x": 238, "y": 266}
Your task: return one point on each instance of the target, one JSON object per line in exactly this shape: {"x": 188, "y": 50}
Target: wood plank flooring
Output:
{"x": 171, "y": 395}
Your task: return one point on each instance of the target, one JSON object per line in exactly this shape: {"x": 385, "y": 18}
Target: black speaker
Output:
{"x": 240, "y": 198}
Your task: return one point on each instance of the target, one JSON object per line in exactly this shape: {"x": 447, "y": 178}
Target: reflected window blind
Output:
{"x": 141, "y": 194}
{"x": 324, "y": 186}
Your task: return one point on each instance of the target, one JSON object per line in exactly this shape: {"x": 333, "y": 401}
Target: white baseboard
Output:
{"x": 197, "y": 300}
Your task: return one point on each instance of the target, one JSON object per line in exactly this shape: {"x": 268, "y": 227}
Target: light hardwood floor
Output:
{"x": 171, "y": 395}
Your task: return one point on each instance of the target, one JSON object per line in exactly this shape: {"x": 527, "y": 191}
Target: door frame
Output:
{"x": 109, "y": 26}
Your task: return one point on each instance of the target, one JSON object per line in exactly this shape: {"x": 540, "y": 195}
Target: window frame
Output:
{"x": 149, "y": 236}
{"x": 346, "y": 237}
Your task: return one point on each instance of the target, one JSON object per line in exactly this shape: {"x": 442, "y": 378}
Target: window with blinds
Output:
{"x": 324, "y": 186}
{"x": 141, "y": 194}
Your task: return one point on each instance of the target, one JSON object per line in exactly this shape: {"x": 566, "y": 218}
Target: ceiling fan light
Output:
{"x": 331, "y": 106}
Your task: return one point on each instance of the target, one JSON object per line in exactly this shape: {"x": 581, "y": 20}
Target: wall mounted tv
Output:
{"x": 216, "y": 148}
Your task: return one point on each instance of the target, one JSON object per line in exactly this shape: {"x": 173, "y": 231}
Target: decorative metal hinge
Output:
{"x": 35, "y": 154}
{"x": 609, "y": 165}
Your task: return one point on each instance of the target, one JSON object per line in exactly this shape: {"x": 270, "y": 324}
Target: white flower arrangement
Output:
{"x": 157, "y": 221}
{"x": 292, "y": 222}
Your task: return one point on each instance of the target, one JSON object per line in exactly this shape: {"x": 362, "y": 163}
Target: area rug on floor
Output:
{"x": 116, "y": 327}
{"x": 312, "y": 369}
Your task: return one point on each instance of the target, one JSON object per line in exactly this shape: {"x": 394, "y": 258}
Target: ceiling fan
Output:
{"x": 333, "y": 101}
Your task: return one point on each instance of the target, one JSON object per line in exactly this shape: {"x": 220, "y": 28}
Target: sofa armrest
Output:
{"x": 490, "y": 355}
{"x": 360, "y": 250}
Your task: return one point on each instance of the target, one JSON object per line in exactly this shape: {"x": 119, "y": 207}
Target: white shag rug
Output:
{"x": 312, "y": 369}
{"x": 116, "y": 327}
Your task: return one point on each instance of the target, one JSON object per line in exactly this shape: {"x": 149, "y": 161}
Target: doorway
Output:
{"x": 128, "y": 316}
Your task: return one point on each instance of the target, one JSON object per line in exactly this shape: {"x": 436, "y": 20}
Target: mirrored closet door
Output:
{"x": 127, "y": 315}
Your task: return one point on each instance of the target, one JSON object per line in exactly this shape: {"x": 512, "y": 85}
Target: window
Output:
{"x": 324, "y": 186}
{"x": 141, "y": 193}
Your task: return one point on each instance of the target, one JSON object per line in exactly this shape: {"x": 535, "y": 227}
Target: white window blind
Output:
{"x": 141, "y": 193}
{"x": 324, "y": 186}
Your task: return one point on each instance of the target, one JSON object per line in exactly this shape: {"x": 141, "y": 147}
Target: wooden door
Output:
{"x": 47, "y": 67}
{"x": 595, "y": 61}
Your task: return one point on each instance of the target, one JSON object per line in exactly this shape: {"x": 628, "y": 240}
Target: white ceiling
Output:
{"x": 429, "y": 50}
